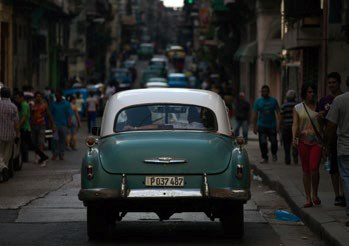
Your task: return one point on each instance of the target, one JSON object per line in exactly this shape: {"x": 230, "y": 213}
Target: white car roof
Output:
{"x": 156, "y": 84}
{"x": 177, "y": 75}
{"x": 203, "y": 98}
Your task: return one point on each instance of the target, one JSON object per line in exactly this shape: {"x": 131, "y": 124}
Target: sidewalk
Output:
{"x": 326, "y": 220}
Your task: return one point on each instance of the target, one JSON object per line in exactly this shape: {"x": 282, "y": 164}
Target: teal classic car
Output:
{"x": 164, "y": 150}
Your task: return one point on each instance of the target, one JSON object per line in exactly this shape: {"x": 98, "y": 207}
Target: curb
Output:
{"x": 326, "y": 227}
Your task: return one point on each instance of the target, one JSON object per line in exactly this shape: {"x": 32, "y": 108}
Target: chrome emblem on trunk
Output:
{"x": 165, "y": 160}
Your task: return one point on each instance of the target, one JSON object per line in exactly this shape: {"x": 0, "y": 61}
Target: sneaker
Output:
{"x": 275, "y": 158}
{"x": 54, "y": 157}
{"x": 42, "y": 160}
{"x": 264, "y": 161}
{"x": 43, "y": 164}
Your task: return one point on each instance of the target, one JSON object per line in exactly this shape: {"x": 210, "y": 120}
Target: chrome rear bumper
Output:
{"x": 111, "y": 194}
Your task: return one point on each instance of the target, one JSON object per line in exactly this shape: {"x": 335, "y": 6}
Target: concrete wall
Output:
{"x": 264, "y": 22}
{"x": 6, "y": 17}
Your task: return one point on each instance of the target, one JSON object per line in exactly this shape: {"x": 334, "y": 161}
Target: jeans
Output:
{"x": 91, "y": 120}
{"x": 58, "y": 140}
{"x": 241, "y": 124}
{"x": 5, "y": 153}
{"x": 26, "y": 142}
{"x": 343, "y": 162}
{"x": 287, "y": 142}
{"x": 265, "y": 133}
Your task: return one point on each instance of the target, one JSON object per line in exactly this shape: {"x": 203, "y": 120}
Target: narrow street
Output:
{"x": 39, "y": 206}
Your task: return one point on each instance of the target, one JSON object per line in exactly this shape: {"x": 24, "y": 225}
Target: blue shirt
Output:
{"x": 61, "y": 111}
{"x": 266, "y": 108}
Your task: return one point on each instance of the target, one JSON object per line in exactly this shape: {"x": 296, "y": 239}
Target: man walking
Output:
{"x": 61, "y": 112}
{"x": 8, "y": 130}
{"x": 242, "y": 115}
{"x": 24, "y": 126}
{"x": 285, "y": 125}
{"x": 333, "y": 84}
{"x": 265, "y": 114}
{"x": 39, "y": 111}
{"x": 338, "y": 118}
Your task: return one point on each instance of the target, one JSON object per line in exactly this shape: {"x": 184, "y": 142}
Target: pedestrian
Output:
{"x": 92, "y": 103}
{"x": 337, "y": 124}
{"x": 71, "y": 136}
{"x": 39, "y": 112}
{"x": 266, "y": 112}
{"x": 79, "y": 101}
{"x": 62, "y": 117}
{"x": 242, "y": 115}
{"x": 285, "y": 126}
{"x": 307, "y": 137}
{"x": 8, "y": 130}
{"x": 333, "y": 84}
{"x": 25, "y": 129}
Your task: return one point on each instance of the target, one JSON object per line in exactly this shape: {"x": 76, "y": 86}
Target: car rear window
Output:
{"x": 165, "y": 117}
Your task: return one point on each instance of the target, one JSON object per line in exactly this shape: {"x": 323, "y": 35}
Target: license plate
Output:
{"x": 164, "y": 181}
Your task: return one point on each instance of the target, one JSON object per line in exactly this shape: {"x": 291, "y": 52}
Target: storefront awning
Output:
{"x": 246, "y": 52}
{"x": 272, "y": 50}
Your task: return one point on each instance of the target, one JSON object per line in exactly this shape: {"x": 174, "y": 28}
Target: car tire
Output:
{"x": 232, "y": 220}
{"x": 98, "y": 225}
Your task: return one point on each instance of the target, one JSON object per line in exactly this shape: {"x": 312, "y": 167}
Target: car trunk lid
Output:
{"x": 165, "y": 153}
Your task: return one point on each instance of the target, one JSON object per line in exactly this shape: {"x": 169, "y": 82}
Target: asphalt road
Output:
{"x": 43, "y": 209}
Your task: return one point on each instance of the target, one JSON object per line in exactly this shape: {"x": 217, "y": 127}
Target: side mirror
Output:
{"x": 96, "y": 130}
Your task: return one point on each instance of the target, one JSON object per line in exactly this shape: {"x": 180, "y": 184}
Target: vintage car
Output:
{"x": 156, "y": 82}
{"x": 164, "y": 150}
{"x": 145, "y": 51}
{"x": 179, "y": 80}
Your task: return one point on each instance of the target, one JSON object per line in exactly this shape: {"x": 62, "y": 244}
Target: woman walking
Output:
{"x": 307, "y": 137}
{"x": 71, "y": 136}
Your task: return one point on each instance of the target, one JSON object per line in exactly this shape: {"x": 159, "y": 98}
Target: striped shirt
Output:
{"x": 8, "y": 120}
{"x": 287, "y": 113}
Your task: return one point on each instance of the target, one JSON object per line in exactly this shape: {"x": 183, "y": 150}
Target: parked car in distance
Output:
{"x": 145, "y": 51}
{"x": 148, "y": 74}
{"x": 156, "y": 82}
{"x": 123, "y": 76}
{"x": 178, "y": 80}
{"x": 164, "y": 150}
{"x": 175, "y": 51}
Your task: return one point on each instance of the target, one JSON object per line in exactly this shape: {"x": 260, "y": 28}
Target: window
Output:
{"x": 165, "y": 117}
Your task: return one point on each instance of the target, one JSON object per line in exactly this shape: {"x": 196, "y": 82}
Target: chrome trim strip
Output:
{"x": 165, "y": 160}
{"x": 157, "y": 193}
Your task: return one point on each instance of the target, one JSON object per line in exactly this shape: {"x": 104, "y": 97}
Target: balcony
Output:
{"x": 302, "y": 8}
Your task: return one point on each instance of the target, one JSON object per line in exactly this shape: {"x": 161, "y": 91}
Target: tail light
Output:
{"x": 240, "y": 141}
{"x": 239, "y": 171}
{"x": 90, "y": 141}
{"x": 89, "y": 172}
